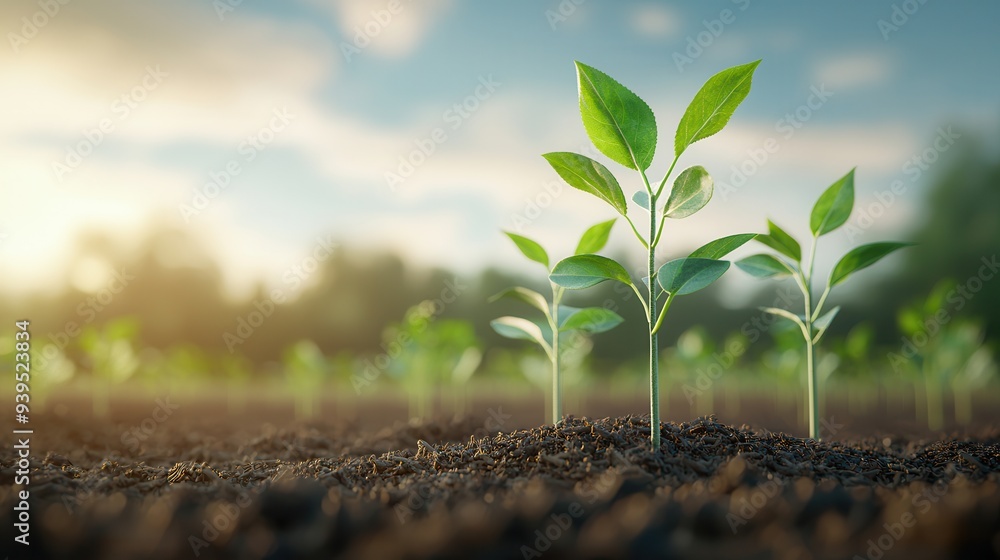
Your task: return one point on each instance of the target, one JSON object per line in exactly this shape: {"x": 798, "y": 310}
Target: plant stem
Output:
{"x": 557, "y": 293}
{"x": 654, "y": 373}
{"x": 810, "y": 350}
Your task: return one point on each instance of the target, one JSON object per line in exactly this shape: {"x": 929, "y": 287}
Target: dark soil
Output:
{"x": 584, "y": 489}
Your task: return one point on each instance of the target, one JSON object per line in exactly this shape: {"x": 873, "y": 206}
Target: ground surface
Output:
{"x": 205, "y": 487}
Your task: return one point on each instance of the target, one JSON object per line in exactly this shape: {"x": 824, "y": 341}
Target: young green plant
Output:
{"x": 830, "y": 212}
{"x": 560, "y": 319}
{"x": 623, "y": 128}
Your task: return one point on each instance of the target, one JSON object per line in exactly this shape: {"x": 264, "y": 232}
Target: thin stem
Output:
{"x": 659, "y": 190}
{"x": 654, "y": 373}
{"x": 659, "y": 230}
{"x": 813, "y": 393}
{"x": 811, "y": 382}
{"x": 819, "y": 306}
{"x": 557, "y": 293}
{"x": 663, "y": 182}
{"x": 636, "y": 232}
{"x": 641, "y": 300}
{"x": 663, "y": 313}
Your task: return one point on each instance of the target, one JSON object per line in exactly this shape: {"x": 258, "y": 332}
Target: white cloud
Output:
{"x": 654, "y": 20}
{"x": 854, "y": 70}
{"x": 391, "y": 34}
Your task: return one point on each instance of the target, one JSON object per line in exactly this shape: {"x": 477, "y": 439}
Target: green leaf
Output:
{"x": 780, "y": 241}
{"x": 595, "y": 238}
{"x": 583, "y": 271}
{"x": 530, "y": 297}
{"x": 529, "y": 248}
{"x": 713, "y": 105}
{"x": 722, "y": 246}
{"x": 833, "y": 207}
{"x": 565, "y": 312}
{"x": 862, "y": 257}
{"x": 692, "y": 191}
{"x": 583, "y": 173}
{"x": 642, "y": 199}
{"x": 764, "y": 266}
{"x": 688, "y": 275}
{"x": 520, "y": 329}
{"x": 820, "y": 325}
{"x": 592, "y": 320}
{"x": 618, "y": 122}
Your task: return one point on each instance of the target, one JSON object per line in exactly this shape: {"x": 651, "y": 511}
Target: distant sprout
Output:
{"x": 943, "y": 354}
{"x": 427, "y": 352}
{"x": 623, "y": 128}
{"x": 694, "y": 352}
{"x": 558, "y": 318}
{"x": 237, "y": 370}
{"x": 461, "y": 375}
{"x": 112, "y": 358}
{"x": 307, "y": 370}
{"x": 185, "y": 366}
{"x": 58, "y": 368}
{"x": 831, "y": 211}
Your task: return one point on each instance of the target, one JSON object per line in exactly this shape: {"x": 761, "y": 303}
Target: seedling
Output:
{"x": 939, "y": 353}
{"x": 831, "y": 211}
{"x": 306, "y": 369}
{"x": 429, "y": 352}
{"x": 623, "y": 128}
{"x": 112, "y": 357}
{"x": 559, "y": 319}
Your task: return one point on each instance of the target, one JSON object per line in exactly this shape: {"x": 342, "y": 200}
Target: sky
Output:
{"x": 418, "y": 127}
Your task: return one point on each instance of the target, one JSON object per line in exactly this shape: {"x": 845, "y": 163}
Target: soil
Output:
{"x": 584, "y": 489}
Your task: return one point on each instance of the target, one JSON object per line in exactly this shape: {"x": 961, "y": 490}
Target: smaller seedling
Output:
{"x": 831, "y": 211}
{"x": 307, "y": 370}
{"x": 942, "y": 353}
{"x": 112, "y": 358}
{"x": 559, "y": 319}
{"x": 430, "y": 352}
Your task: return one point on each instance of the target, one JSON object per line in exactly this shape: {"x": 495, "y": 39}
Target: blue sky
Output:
{"x": 312, "y": 120}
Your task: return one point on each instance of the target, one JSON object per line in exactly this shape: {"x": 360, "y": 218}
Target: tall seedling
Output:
{"x": 560, "y": 319}
{"x": 623, "y": 128}
{"x": 831, "y": 211}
